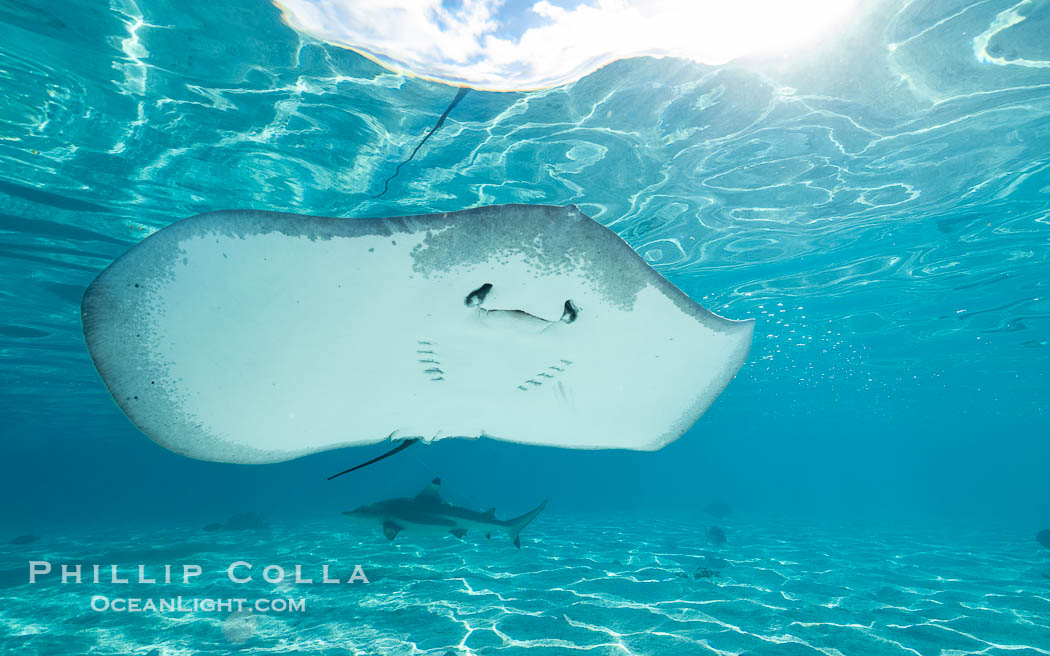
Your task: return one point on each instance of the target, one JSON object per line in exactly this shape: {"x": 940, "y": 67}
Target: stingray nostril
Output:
{"x": 477, "y": 296}
{"x": 570, "y": 313}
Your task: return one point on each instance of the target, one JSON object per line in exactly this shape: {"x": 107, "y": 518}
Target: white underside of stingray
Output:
{"x": 257, "y": 337}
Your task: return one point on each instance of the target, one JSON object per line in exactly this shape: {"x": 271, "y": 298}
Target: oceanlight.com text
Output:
{"x": 101, "y": 604}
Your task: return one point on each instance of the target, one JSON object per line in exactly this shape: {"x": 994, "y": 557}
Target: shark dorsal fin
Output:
{"x": 431, "y": 492}
{"x": 390, "y": 530}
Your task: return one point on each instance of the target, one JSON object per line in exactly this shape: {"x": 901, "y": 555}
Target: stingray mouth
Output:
{"x": 570, "y": 311}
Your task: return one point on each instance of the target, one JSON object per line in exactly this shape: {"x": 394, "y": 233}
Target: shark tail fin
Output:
{"x": 515, "y": 525}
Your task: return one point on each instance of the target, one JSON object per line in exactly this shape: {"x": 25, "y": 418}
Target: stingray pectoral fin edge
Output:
{"x": 255, "y": 337}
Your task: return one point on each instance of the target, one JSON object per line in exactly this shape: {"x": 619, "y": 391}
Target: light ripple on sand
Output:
{"x": 629, "y": 590}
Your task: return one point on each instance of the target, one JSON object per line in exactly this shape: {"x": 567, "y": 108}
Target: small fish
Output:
{"x": 245, "y": 521}
{"x": 704, "y": 573}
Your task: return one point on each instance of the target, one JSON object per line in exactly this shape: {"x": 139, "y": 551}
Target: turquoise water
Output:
{"x": 878, "y": 203}
{"x": 628, "y": 588}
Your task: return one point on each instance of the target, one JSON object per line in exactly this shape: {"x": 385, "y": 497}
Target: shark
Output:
{"x": 429, "y": 513}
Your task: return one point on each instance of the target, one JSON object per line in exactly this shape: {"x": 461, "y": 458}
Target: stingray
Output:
{"x": 259, "y": 337}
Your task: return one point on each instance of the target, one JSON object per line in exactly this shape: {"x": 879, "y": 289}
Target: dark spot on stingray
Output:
{"x": 1043, "y": 537}
{"x": 136, "y": 398}
{"x": 136, "y": 285}
{"x": 371, "y": 250}
{"x": 716, "y": 536}
{"x": 24, "y": 539}
{"x": 22, "y": 332}
{"x": 477, "y": 297}
{"x": 570, "y": 313}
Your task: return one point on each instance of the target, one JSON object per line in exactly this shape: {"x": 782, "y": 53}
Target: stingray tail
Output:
{"x": 515, "y": 525}
{"x": 400, "y": 447}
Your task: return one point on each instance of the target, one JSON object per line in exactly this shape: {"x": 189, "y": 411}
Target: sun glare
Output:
{"x": 483, "y": 44}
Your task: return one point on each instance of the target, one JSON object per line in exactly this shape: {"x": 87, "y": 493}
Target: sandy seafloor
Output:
{"x": 578, "y": 586}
